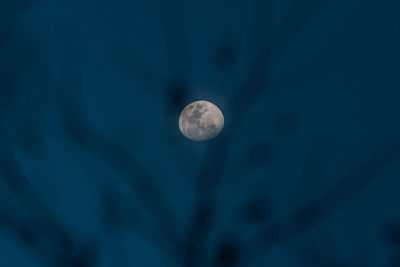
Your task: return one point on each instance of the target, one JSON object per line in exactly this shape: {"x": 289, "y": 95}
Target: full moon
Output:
{"x": 201, "y": 120}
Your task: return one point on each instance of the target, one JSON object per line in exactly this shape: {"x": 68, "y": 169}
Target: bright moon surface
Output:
{"x": 201, "y": 120}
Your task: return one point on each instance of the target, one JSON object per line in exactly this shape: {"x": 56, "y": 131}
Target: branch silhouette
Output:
{"x": 260, "y": 72}
{"x": 119, "y": 213}
{"x": 102, "y": 148}
{"x": 142, "y": 184}
{"x": 318, "y": 209}
{"x": 39, "y": 229}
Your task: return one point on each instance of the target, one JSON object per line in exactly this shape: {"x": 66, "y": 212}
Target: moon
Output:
{"x": 201, "y": 120}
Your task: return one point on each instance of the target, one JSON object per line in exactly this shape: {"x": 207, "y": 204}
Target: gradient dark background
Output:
{"x": 94, "y": 170}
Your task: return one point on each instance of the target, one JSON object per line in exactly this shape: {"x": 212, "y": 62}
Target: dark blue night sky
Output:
{"x": 93, "y": 168}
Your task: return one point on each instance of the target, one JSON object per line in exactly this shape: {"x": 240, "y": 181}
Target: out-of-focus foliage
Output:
{"x": 94, "y": 171}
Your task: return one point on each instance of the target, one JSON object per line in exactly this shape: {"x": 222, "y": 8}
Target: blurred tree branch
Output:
{"x": 141, "y": 182}
{"x": 318, "y": 209}
{"x": 273, "y": 46}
